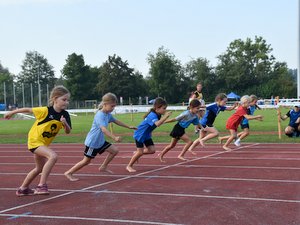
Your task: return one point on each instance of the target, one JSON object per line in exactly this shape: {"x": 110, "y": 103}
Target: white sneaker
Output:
{"x": 237, "y": 143}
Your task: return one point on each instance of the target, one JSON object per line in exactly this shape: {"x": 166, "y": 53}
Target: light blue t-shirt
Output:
{"x": 95, "y": 138}
{"x": 186, "y": 118}
{"x": 146, "y": 127}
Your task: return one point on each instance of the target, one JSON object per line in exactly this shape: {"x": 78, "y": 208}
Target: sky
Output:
{"x": 132, "y": 29}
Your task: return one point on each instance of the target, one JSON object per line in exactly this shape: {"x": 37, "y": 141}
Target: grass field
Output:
{"x": 15, "y": 130}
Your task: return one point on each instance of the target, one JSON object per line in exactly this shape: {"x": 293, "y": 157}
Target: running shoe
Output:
{"x": 24, "y": 192}
{"x": 41, "y": 190}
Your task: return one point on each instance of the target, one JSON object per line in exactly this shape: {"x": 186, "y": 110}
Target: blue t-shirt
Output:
{"x": 250, "y": 111}
{"x": 186, "y": 118}
{"x": 212, "y": 110}
{"x": 145, "y": 128}
{"x": 293, "y": 117}
{"x": 95, "y": 138}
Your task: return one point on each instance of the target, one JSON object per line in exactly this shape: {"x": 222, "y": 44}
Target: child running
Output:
{"x": 245, "y": 123}
{"x": 184, "y": 120}
{"x": 95, "y": 142}
{"x": 49, "y": 120}
{"x": 235, "y": 119}
{"x": 208, "y": 130}
{"x": 143, "y": 134}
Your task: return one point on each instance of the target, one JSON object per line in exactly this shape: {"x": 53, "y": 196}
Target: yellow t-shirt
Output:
{"x": 46, "y": 126}
{"x": 198, "y": 95}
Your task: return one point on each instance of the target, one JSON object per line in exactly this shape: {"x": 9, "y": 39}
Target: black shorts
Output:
{"x": 146, "y": 143}
{"x": 177, "y": 132}
{"x": 243, "y": 126}
{"x": 33, "y": 149}
{"x": 92, "y": 152}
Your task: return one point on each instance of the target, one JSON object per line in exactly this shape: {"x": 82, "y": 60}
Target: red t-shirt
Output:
{"x": 235, "y": 119}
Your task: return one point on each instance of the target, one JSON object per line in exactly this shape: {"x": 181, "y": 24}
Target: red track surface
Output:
{"x": 254, "y": 184}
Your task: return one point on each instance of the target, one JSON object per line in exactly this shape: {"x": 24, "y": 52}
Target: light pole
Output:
{"x": 39, "y": 85}
{"x": 298, "y": 69}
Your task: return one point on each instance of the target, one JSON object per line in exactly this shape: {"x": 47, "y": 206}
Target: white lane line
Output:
{"x": 87, "y": 219}
{"x": 114, "y": 181}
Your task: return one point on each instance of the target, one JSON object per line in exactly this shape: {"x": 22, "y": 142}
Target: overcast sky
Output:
{"x": 133, "y": 28}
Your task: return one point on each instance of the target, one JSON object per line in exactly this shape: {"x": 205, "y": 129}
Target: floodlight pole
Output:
{"x": 298, "y": 69}
{"x": 39, "y": 85}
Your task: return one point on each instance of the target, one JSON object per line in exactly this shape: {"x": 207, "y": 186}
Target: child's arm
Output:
{"x": 107, "y": 133}
{"x": 163, "y": 119}
{"x": 250, "y": 117}
{"x": 232, "y": 107}
{"x": 121, "y": 124}
{"x": 282, "y": 117}
{"x": 21, "y": 110}
{"x": 170, "y": 120}
{"x": 66, "y": 125}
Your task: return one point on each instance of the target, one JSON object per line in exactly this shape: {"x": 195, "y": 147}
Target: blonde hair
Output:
{"x": 245, "y": 99}
{"x": 57, "y": 92}
{"x": 108, "y": 98}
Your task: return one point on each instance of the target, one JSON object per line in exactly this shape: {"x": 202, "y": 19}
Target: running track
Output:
{"x": 256, "y": 184}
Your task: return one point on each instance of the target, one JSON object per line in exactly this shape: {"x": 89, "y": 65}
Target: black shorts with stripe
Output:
{"x": 92, "y": 152}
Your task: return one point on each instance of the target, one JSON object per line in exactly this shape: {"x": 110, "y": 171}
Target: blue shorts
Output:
{"x": 246, "y": 125}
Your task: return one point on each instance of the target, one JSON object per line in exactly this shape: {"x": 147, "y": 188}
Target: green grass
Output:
{"x": 15, "y": 131}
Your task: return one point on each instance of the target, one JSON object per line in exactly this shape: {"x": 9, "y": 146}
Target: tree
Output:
{"x": 35, "y": 71}
{"x": 116, "y": 76}
{"x": 244, "y": 65}
{"x": 198, "y": 70}
{"x": 80, "y": 79}
{"x": 35, "y": 68}
{"x": 6, "y": 82}
{"x": 166, "y": 75}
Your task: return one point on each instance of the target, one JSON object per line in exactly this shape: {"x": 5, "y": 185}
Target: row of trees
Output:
{"x": 246, "y": 67}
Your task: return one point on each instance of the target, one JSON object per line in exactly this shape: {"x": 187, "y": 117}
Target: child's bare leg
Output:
{"x": 112, "y": 152}
{"x": 69, "y": 174}
{"x": 137, "y": 154}
{"x": 39, "y": 164}
{"x": 44, "y": 151}
{"x": 188, "y": 144}
{"x": 221, "y": 139}
{"x": 243, "y": 134}
{"x": 193, "y": 145}
{"x": 212, "y": 132}
{"x": 166, "y": 149}
{"x": 229, "y": 140}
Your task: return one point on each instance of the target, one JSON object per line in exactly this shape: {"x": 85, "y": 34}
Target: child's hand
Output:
{"x": 168, "y": 113}
{"x": 8, "y": 115}
{"x": 133, "y": 127}
{"x": 260, "y": 118}
{"x": 63, "y": 119}
{"x": 117, "y": 139}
